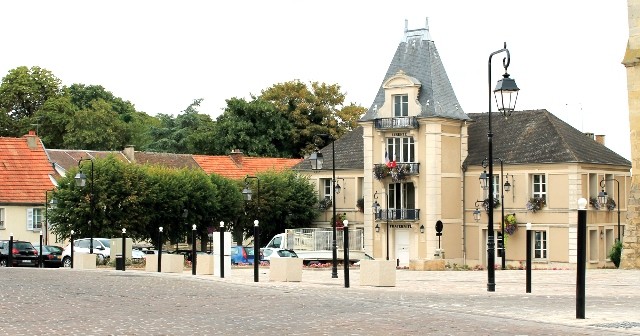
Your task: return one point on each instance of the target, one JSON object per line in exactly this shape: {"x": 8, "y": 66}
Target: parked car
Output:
{"x": 51, "y": 255}
{"x": 23, "y": 253}
{"x": 270, "y": 252}
{"x": 101, "y": 248}
{"x": 241, "y": 255}
{"x": 137, "y": 255}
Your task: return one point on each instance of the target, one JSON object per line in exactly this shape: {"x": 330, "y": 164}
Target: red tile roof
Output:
{"x": 237, "y": 166}
{"x": 24, "y": 170}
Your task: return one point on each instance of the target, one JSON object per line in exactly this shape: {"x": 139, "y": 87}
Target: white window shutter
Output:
{"x": 29, "y": 218}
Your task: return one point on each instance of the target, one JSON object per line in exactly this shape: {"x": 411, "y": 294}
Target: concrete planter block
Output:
{"x": 378, "y": 273}
{"x": 205, "y": 264}
{"x": 172, "y": 263}
{"x": 285, "y": 269}
{"x": 151, "y": 263}
{"x": 84, "y": 261}
{"x": 427, "y": 265}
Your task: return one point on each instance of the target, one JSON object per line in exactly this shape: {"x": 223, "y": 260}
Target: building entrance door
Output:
{"x": 496, "y": 251}
{"x": 402, "y": 247}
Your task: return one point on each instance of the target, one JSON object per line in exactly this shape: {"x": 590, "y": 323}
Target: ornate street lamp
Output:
{"x": 81, "y": 181}
{"x": 376, "y": 209}
{"x": 316, "y": 164}
{"x": 605, "y": 198}
{"x": 506, "y": 95}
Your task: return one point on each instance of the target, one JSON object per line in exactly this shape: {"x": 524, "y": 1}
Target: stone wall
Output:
{"x": 631, "y": 240}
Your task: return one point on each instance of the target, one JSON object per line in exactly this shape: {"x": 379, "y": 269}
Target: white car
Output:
{"x": 270, "y": 252}
{"x": 101, "y": 248}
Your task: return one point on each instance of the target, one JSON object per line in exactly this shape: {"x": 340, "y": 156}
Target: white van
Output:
{"x": 101, "y": 248}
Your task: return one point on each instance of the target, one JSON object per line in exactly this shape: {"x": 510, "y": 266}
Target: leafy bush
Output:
{"x": 615, "y": 253}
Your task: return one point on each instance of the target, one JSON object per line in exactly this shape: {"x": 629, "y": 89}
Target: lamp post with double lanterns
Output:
{"x": 247, "y": 194}
{"x": 376, "y": 210}
{"x": 603, "y": 198}
{"x": 506, "y": 95}
{"x": 81, "y": 181}
{"x": 317, "y": 161}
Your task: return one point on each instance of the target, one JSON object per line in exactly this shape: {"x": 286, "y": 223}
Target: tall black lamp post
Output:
{"x": 506, "y": 94}
{"x": 81, "y": 181}
{"x": 316, "y": 164}
{"x": 603, "y": 200}
{"x": 47, "y": 203}
{"x": 505, "y": 187}
{"x": 376, "y": 210}
{"x": 247, "y": 194}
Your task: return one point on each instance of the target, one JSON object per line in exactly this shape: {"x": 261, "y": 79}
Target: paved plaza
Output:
{"x": 134, "y": 302}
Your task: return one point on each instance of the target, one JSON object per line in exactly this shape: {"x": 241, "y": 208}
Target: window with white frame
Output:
{"x": 539, "y": 186}
{"x": 325, "y": 188}
{"x": 496, "y": 186}
{"x": 401, "y": 149}
{"x": 401, "y": 105}
{"x": 35, "y": 216}
{"x": 1, "y": 218}
{"x": 540, "y": 245}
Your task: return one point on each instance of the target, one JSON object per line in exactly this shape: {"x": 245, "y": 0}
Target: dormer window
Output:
{"x": 401, "y": 105}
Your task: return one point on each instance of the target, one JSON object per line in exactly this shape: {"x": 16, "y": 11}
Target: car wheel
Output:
{"x": 3, "y": 263}
{"x": 100, "y": 259}
{"x": 66, "y": 262}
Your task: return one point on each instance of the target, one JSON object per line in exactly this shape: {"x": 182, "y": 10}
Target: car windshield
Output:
{"x": 287, "y": 253}
{"x": 54, "y": 249}
{"x": 105, "y": 242}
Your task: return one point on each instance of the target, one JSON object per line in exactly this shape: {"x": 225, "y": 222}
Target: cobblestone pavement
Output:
{"x": 109, "y": 302}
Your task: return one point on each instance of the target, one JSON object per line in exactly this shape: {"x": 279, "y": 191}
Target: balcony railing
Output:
{"x": 398, "y": 214}
{"x": 396, "y": 123}
{"x": 407, "y": 168}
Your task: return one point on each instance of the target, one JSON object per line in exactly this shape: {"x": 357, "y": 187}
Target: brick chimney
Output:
{"x": 237, "y": 157}
{"x": 600, "y": 139}
{"x": 130, "y": 153}
{"x": 32, "y": 140}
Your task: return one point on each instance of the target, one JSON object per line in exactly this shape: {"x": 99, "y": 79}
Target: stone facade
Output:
{"x": 631, "y": 242}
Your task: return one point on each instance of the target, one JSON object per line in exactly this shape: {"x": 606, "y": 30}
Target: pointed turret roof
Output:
{"x": 418, "y": 58}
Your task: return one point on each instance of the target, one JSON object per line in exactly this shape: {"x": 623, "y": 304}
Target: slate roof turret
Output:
{"x": 418, "y": 57}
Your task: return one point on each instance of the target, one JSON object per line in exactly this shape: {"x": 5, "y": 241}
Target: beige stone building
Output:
{"x": 631, "y": 243}
{"x": 418, "y": 157}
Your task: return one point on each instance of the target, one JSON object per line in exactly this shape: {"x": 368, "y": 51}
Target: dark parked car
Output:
{"x": 51, "y": 255}
{"x": 24, "y": 254}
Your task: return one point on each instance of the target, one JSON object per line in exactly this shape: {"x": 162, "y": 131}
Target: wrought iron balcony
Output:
{"x": 396, "y": 123}
{"x": 381, "y": 170}
{"x": 398, "y": 214}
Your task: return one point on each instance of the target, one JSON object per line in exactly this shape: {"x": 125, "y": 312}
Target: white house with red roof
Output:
{"x": 26, "y": 175}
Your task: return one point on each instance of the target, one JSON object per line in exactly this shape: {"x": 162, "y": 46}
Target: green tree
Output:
{"x": 22, "y": 93}
{"x": 255, "y": 127}
{"x": 312, "y": 111}
{"x": 113, "y": 199}
{"x": 189, "y": 132}
{"x": 96, "y": 127}
{"x": 228, "y": 206}
{"x": 287, "y": 200}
